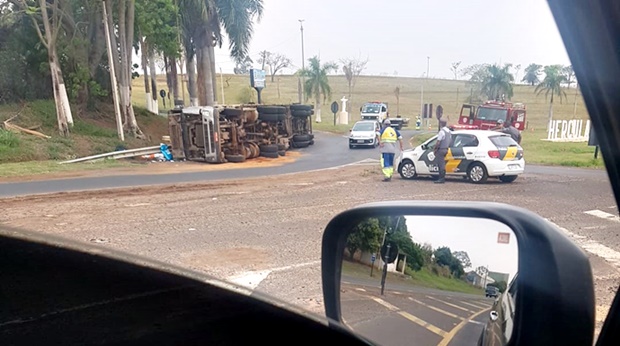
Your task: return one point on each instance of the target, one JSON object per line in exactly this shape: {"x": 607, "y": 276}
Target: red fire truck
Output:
{"x": 486, "y": 116}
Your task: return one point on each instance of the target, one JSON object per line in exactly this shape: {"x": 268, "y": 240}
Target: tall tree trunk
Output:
{"x": 125, "y": 28}
{"x": 153, "y": 70}
{"x": 145, "y": 69}
{"x": 191, "y": 80}
{"x": 174, "y": 79}
{"x": 61, "y": 115}
{"x": 317, "y": 109}
{"x": 550, "y": 112}
{"x": 213, "y": 72}
{"x": 203, "y": 66}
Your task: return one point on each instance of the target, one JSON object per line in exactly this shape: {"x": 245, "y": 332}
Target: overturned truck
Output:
{"x": 240, "y": 132}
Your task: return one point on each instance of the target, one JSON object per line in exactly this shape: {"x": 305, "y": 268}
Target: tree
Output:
{"x": 51, "y": 20}
{"x": 317, "y": 83}
{"x": 244, "y": 66}
{"x": 463, "y": 257}
{"x": 552, "y": 85}
{"x": 123, "y": 37}
{"x": 482, "y": 271}
{"x": 204, "y": 24}
{"x": 497, "y": 82}
{"x": 275, "y": 61}
{"x": 366, "y": 236}
{"x": 455, "y": 68}
{"x": 352, "y": 68}
{"x": 569, "y": 75}
{"x": 444, "y": 257}
{"x": 532, "y": 72}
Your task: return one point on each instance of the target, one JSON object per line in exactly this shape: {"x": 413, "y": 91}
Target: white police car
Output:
{"x": 473, "y": 154}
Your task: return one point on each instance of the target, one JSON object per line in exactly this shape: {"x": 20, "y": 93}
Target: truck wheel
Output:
{"x": 304, "y": 144}
{"x": 271, "y": 155}
{"x": 301, "y": 138}
{"x": 231, "y": 112}
{"x": 271, "y": 109}
{"x": 269, "y": 148}
{"x": 282, "y": 152}
{"x": 235, "y": 158}
{"x": 271, "y": 117}
{"x": 299, "y": 107}
{"x": 312, "y": 142}
{"x": 301, "y": 114}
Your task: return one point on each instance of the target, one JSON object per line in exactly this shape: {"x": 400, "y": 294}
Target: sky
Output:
{"x": 478, "y": 237}
{"x": 404, "y": 37}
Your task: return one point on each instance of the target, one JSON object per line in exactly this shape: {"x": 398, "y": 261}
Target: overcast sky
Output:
{"x": 478, "y": 237}
{"x": 399, "y": 35}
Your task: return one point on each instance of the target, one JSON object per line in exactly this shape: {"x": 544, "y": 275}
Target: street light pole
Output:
{"x": 300, "y": 83}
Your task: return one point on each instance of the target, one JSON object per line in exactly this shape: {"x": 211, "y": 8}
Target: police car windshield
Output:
{"x": 371, "y": 109}
{"x": 503, "y": 141}
{"x": 364, "y": 127}
{"x": 491, "y": 114}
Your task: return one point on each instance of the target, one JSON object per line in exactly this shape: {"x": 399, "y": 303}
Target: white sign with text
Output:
{"x": 568, "y": 130}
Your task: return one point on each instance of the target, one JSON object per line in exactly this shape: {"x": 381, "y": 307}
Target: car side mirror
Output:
{"x": 404, "y": 266}
{"x": 424, "y": 146}
{"x": 493, "y": 315}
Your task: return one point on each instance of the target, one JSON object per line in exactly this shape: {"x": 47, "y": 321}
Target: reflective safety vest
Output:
{"x": 389, "y": 135}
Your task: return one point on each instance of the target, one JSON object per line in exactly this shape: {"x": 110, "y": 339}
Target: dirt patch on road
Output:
{"x": 245, "y": 258}
{"x": 140, "y": 167}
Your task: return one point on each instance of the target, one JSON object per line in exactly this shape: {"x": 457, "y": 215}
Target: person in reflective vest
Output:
{"x": 388, "y": 136}
{"x": 444, "y": 139}
{"x": 418, "y": 123}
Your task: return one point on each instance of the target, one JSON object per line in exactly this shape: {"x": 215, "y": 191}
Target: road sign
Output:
{"x": 373, "y": 258}
{"x": 334, "y": 107}
{"x": 389, "y": 257}
{"x": 257, "y": 78}
{"x": 503, "y": 238}
{"x": 162, "y": 93}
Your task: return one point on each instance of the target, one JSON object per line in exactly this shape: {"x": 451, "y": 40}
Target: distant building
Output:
{"x": 477, "y": 280}
{"x": 499, "y": 276}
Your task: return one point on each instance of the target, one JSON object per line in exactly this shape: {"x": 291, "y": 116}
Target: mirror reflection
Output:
{"x": 430, "y": 280}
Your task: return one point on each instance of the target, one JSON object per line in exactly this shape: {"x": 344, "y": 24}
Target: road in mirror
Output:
{"x": 429, "y": 280}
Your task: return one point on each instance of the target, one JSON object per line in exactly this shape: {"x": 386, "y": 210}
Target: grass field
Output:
{"x": 448, "y": 93}
{"x": 422, "y": 278}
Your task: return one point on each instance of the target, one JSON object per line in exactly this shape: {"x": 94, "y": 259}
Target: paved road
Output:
{"x": 330, "y": 150}
{"x": 410, "y": 316}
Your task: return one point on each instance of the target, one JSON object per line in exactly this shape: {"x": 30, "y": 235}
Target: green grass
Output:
{"x": 46, "y": 167}
{"x": 451, "y": 94}
{"x": 423, "y": 278}
{"x": 93, "y": 133}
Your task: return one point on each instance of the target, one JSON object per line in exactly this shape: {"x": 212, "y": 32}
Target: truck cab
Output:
{"x": 378, "y": 111}
{"x": 487, "y": 115}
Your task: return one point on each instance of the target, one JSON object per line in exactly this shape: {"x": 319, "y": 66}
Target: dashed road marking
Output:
{"x": 412, "y": 318}
{"x": 450, "y": 304}
{"x": 475, "y": 306}
{"x": 608, "y": 254}
{"x": 603, "y": 215}
{"x": 447, "y": 313}
{"x": 448, "y": 337}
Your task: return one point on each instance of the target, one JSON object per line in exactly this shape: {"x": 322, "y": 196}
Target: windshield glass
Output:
{"x": 364, "y": 127}
{"x": 492, "y": 114}
{"x": 503, "y": 141}
{"x": 371, "y": 108}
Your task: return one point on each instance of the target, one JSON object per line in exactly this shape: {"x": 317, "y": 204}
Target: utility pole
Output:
{"x": 303, "y": 60}
{"x": 111, "y": 61}
{"x": 428, "y": 61}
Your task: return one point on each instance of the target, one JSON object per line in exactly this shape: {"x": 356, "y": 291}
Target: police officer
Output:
{"x": 418, "y": 122}
{"x": 512, "y": 131}
{"x": 388, "y": 136}
{"x": 444, "y": 138}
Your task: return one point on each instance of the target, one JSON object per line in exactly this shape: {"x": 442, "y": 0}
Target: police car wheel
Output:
{"x": 477, "y": 173}
{"x": 508, "y": 178}
{"x": 407, "y": 170}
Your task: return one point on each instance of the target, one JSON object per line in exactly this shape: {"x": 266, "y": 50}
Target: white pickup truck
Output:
{"x": 378, "y": 111}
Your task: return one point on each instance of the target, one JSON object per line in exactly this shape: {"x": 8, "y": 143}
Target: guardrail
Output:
{"x": 115, "y": 155}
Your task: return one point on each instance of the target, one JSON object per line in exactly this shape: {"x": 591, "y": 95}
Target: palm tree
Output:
{"x": 552, "y": 84}
{"x": 532, "y": 71}
{"x": 204, "y": 22}
{"x": 317, "y": 84}
{"x": 497, "y": 82}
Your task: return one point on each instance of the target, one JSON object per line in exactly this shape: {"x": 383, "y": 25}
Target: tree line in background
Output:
{"x": 58, "y": 48}
{"x": 369, "y": 235}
